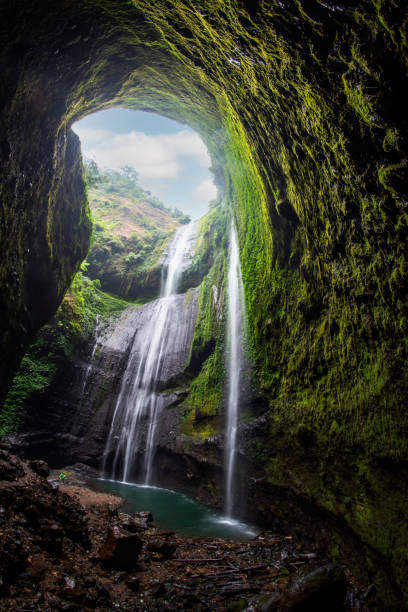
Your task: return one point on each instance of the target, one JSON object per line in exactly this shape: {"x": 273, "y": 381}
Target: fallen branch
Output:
{"x": 234, "y": 589}
{"x": 199, "y": 560}
{"x": 185, "y": 588}
{"x": 238, "y": 570}
{"x": 268, "y": 543}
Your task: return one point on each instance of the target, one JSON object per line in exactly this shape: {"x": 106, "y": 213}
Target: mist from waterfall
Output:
{"x": 235, "y": 364}
{"x": 153, "y": 343}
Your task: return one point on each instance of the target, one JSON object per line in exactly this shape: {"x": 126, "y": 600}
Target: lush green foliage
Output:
{"x": 34, "y": 376}
{"x": 131, "y": 231}
{"x": 93, "y": 175}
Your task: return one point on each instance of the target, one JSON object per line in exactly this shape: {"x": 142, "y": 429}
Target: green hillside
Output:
{"x": 131, "y": 231}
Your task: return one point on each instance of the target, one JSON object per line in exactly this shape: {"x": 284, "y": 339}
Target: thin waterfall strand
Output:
{"x": 97, "y": 332}
{"x": 235, "y": 363}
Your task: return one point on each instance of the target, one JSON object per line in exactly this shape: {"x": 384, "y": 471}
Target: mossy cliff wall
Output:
{"x": 302, "y": 106}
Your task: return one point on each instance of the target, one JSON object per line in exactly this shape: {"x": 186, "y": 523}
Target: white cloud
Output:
{"x": 205, "y": 191}
{"x": 153, "y": 156}
{"x": 169, "y": 165}
{"x": 89, "y": 135}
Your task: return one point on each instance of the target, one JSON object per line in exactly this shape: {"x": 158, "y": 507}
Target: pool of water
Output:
{"x": 177, "y": 512}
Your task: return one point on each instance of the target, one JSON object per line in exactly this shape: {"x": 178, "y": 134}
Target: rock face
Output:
{"x": 303, "y": 108}
{"x": 39, "y": 263}
{"x": 74, "y": 425}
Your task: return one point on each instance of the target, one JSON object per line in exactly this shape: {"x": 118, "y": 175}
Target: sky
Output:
{"x": 170, "y": 158}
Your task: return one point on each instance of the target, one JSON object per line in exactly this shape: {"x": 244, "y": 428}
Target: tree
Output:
{"x": 93, "y": 175}
{"x": 130, "y": 173}
{"x": 131, "y": 259}
{"x": 180, "y": 216}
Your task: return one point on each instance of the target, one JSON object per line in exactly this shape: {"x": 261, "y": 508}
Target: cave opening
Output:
{"x": 170, "y": 159}
{"x": 146, "y": 176}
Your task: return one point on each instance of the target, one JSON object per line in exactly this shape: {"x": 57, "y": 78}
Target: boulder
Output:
{"x": 138, "y": 522}
{"x": 11, "y": 468}
{"x": 40, "y": 467}
{"x": 321, "y": 590}
{"x": 164, "y": 548}
{"x": 120, "y": 549}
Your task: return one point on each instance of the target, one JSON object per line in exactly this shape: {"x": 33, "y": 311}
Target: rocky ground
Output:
{"x": 66, "y": 547}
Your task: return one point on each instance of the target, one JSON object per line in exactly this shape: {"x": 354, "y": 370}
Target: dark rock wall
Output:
{"x": 302, "y": 105}
{"x": 43, "y": 241}
{"x": 70, "y": 422}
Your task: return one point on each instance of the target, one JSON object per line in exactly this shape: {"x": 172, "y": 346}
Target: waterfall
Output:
{"x": 235, "y": 362}
{"x": 97, "y": 332}
{"x": 154, "y": 343}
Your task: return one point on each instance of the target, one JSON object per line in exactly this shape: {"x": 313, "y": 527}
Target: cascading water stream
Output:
{"x": 138, "y": 397}
{"x": 235, "y": 364}
{"x": 97, "y": 332}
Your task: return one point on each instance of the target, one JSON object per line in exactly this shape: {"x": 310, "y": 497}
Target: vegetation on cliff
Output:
{"x": 203, "y": 405}
{"x": 130, "y": 233}
{"x": 130, "y": 219}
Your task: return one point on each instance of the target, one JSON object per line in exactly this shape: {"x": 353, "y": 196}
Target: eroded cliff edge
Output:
{"x": 302, "y": 107}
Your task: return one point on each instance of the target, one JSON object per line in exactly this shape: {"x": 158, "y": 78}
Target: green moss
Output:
{"x": 391, "y": 140}
{"x": 206, "y": 360}
{"x": 359, "y": 101}
{"x": 34, "y": 376}
{"x": 205, "y": 396}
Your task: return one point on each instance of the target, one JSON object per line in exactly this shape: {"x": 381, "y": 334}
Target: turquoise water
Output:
{"x": 177, "y": 512}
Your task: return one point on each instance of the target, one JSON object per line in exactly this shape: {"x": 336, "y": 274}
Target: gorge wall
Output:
{"x": 302, "y": 106}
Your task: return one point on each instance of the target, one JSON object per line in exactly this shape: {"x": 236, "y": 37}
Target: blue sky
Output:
{"x": 170, "y": 158}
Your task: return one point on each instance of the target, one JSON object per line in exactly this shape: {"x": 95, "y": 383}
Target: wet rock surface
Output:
{"x": 70, "y": 423}
{"x": 51, "y": 559}
{"x": 322, "y": 589}
{"x": 120, "y": 550}
{"x": 40, "y": 467}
